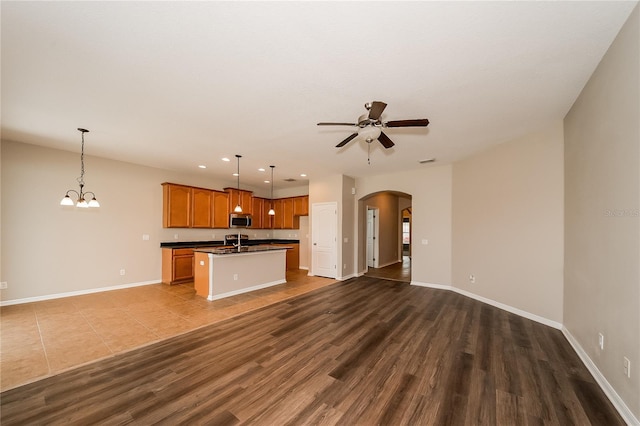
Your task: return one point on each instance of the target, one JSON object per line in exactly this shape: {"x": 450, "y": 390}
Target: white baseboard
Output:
{"x": 245, "y": 290}
{"x": 491, "y": 302}
{"x": 393, "y": 262}
{"x": 346, "y": 277}
{"x": 604, "y": 384}
{"x": 606, "y": 387}
{"x": 76, "y": 293}
{"x": 306, "y": 268}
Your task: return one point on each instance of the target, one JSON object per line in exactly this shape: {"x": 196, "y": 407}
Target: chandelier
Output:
{"x": 82, "y": 195}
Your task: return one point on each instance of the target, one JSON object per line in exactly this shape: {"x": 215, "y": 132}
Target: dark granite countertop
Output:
{"x": 227, "y": 250}
{"x": 195, "y": 244}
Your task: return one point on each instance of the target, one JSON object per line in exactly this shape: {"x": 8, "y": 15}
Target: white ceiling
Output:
{"x": 178, "y": 84}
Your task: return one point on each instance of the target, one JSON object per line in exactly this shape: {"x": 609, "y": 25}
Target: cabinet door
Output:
{"x": 176, "y": 203}
{"x": 278, "y": 219}
{"x": 287, "y": 213}
{"x": 239, "y": 197}
{"x": 301, "y": 206}
{"x": 220, "y": 209}
{"x": 267, "y": 219}
{"x": 183, "y": 268}
{"x": 257, "y": 207}
{"x": 293, "y": 257}
{"x": 202, "y": 203}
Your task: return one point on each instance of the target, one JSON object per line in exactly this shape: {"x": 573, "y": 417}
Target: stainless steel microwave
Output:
{"x": 238, "y": 220}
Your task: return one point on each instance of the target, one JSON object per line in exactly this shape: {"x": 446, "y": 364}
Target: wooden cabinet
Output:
{"x": 244, "y": 198}
{"x": 191, "y": 207}
{"x": 220, "y": 209}
{"x": 176, "y": 206}
{"x": 201, "y": 208}
{"x": 177, "y": 265}
{"x": 301, "y": 206}
{"x": 288, "y": 219}
{"x": 278, "y": 218}
{"x": 293, "y": 256}
{"x": 257, "y": 206}
{"x": 267, "y": 219}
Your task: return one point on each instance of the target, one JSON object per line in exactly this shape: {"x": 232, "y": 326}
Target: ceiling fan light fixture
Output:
{"x": 370, "y": 133}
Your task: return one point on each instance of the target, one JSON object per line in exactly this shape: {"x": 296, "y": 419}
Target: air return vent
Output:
{"x": 428, "y": 160}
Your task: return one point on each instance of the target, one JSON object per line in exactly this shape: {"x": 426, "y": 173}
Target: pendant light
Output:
{"x": 272, "y": 212}
{"x": 238, "y": 208}
{"x": 81, "y": 201}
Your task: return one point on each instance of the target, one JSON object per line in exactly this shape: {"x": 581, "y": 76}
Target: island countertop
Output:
{"x": 230, "y": 250}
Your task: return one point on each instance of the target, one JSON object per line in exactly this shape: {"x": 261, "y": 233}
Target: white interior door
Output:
{"x": 372, "y": 229}
{"x": 324, "y": 247}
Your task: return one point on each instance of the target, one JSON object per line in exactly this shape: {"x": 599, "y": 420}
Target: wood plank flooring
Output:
{"x": 363, "y": 352}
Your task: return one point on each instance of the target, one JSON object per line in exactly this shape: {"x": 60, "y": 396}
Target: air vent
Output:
{"x": 428, "y": 160}
{"x": 289, "y": 180}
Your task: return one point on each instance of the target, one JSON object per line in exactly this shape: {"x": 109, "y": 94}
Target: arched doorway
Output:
{"x": 384, "y": 250}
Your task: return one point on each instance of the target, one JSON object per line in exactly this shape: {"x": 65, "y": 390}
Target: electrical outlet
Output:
{"x": 122, "y": 271}
{"x": 472, "y": 279}
{"x": 3, "y": 285}
{"x": 601, "y": 341}
{"x": 627, "y": 367}
{"x": 145, "y": 237}
{"x": 175, "y": 236}
{"x": 235, "y": 277}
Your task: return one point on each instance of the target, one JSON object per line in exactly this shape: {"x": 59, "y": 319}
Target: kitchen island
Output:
{"x": 226, "y": 271}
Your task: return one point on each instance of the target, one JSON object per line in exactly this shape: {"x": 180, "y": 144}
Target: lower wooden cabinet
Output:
{"x": 293, "y": 256}
{"x": 177, "y": 265}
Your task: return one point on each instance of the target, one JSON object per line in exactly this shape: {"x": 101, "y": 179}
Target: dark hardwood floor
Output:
{"x": 363, "y": 352}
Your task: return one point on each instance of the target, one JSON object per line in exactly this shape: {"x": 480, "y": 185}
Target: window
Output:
{"x": 406, "y": 232}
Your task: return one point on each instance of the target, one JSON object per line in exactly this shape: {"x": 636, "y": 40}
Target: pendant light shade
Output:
{"x": 272, "y": 212}
{"x": 238, "y": 208}
{"x": 81, "y": 200}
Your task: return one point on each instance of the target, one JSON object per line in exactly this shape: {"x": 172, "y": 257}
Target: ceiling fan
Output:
{"x": 370, "y": 126}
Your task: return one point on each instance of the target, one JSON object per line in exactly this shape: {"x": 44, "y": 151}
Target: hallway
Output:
{"x": 400, "y": 271}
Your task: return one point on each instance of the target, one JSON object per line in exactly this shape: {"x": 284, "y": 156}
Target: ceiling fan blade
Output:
{"x": 407, "y": 123}
{"x": 385, "y": 141}
{"x": 337, "y": 124}
{"x": 376, "y": 109}
{"x": 344, "y": 142}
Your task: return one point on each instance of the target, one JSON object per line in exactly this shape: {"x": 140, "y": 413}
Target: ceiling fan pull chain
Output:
{"x": 369, "y": 152}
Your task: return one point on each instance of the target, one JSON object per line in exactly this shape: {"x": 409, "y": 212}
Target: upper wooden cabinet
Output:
{"x": 301, "y": 206}
{"x": 288, "y": 220}
{"x": 257, "y": 205}
{"x": 220, "y": 209}
{"x": 201, "y": 208}
{"x": 176, "y": 206}
{"x": 191, "y": 207}
{"x": 244, "y": 198}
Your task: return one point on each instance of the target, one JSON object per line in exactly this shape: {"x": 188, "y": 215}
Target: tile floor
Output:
{"x": 44, "y": 338}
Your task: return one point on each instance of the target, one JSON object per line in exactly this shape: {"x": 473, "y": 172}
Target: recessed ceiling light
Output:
{"x": 235, "y": 174}
{"x": 303, "y": 175}
{"x": 202, "y": 166}
{"x": 267, "y": 181}
{"x": 261, "y": 169}
{"x": 225, "y": 159}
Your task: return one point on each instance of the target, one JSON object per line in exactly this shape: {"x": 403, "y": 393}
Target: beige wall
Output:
{"x": 430, "y": 189}
{"x": 508, "y": 223}
{"x": 602, "y": 227}
{"x": 48, "y": 249}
